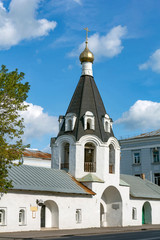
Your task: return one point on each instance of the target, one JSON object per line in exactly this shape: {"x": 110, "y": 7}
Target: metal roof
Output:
{"x": 143, "y": 135}
{"x": 33, "y": 178}
{"x": 140, "y": 188}
{"x": 36, "y": 154}
{"x": 90, "y": 178}
{"x": 87, "y": 98}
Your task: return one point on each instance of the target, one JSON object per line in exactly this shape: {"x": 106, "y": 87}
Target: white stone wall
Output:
{"x": 67, "y": 206}
{"x": 76, "y": 156}
{"x": 38, "y": 162}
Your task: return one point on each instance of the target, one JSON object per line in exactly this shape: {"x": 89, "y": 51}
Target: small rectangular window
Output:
{"x": 78, "y": 215}
{"x": 136, "y": 158}
{"x": 134, "y": 213}
{"x": 22, "y": 216}
{"x": 2, "y": 216}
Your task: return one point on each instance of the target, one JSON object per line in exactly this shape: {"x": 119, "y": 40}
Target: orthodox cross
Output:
{"x": 86, "y": 34}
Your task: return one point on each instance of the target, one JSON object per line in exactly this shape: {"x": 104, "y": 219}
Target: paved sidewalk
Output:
{"x": 50, "y": 233}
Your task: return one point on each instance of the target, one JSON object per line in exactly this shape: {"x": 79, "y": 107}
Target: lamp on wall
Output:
{"x": 40, "y": 202}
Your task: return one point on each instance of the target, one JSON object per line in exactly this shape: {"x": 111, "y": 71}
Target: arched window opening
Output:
{"x": 89, "y": 121}
{"x": 89, "y": 158}
{"x": 70, "y": 121}
{"x": 65, "y": 159}
{"x": 89, "y": 124}
{"x": 106, "y": 127}
{"x": 21, "y": 216}
{"x": 2, "y": 216}
{"x": 111, "y": 159}
{"x": 69, "y": 125}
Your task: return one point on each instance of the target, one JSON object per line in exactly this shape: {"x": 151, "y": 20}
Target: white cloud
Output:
{"x": 47, "y": 149}
{"x": 108, "y": 46}
{"x": 20, "y": 23}
{"x": 78, "y": 1}
{"x": 38, "y": 123}
{"x": 153, "y": 62}
{"x": 142, "y": 115}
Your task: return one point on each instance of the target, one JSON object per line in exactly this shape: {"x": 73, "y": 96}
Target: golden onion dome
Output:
{"x": 86, "y": 55}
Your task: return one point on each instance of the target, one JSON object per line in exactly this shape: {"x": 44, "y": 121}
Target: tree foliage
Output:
{"x": 13, "y": 93}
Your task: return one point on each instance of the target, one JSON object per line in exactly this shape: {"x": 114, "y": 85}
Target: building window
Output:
{"x": 89, "y": 158}
{"x": 89, "y": 121}
{"x": 78, "y": 215}
{"x": 155, "y": 155}
{"x": 22, "y": 217}
{"x": 2, "y": 216}
{"x": 107, "y": 123}
{"x": 157, "y": 178}
{"x": 111, "y": 159}
{"x": 70, "y": 121}
{"x": 136, "y": 158}
{"x": 65, "y": 157}
{"x": 134, "y": 213}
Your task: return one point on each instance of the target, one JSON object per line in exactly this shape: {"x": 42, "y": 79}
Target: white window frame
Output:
{"x": 78, "y": 215}
{"x": 89, "y": 118}
{"x": 3, "y": 213}
{"x": 70, "y": 118}
{"x": 157, "y": 155}
{"x": 134, "y": 213}
{"x": 107, "y": 123}
{"x": 23, "y": 214}
{"x": 135, "y": 158}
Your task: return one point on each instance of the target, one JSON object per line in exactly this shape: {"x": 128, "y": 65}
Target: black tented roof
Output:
{"x": 87, "y": 98}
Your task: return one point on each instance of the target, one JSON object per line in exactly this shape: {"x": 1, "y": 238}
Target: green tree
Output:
{"x": 13, "y": 93}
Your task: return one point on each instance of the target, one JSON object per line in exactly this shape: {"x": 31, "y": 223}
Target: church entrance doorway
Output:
{"x": 49, "y": 215}
{"x": 43, "y": 216}
{"x": 146, "y": 213}
{"x": 112, "y": 216}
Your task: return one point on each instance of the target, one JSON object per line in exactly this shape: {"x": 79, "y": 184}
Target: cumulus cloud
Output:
{"x": 20, "y": 23}
{"x": 38, "y": 123}
{"x": 142, "y": 115}
{"x": 153, "y": 62}
{"x": 108, "y": 46}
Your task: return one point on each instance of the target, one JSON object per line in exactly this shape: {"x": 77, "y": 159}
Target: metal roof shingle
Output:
{"x": 140, "y": 188}
{"x": 27, "y": 177}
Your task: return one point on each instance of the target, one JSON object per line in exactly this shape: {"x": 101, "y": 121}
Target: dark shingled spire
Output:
{"x": 87, "y": 98}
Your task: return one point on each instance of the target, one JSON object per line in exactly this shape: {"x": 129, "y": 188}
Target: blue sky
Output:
{"x": 43, "y": 39}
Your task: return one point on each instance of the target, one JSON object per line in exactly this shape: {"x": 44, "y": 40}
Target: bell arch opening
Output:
{"x": 65, "y": 156}
{"x": 89, "y": 157}
{"x": 111, "y": 159}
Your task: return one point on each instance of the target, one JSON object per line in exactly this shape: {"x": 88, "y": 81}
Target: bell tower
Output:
{"x": 85, "y": 146}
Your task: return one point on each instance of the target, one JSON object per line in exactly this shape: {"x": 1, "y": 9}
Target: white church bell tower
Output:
{"x": 85, "y": 146}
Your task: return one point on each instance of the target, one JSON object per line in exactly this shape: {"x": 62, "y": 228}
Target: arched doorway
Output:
{"x": 146, "y": 213}
{"x": 49, "y": 215}
{"x": 113, "y": 205}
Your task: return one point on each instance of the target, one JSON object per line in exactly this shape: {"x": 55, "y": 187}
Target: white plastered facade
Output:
{"x": 110, "y": 206}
